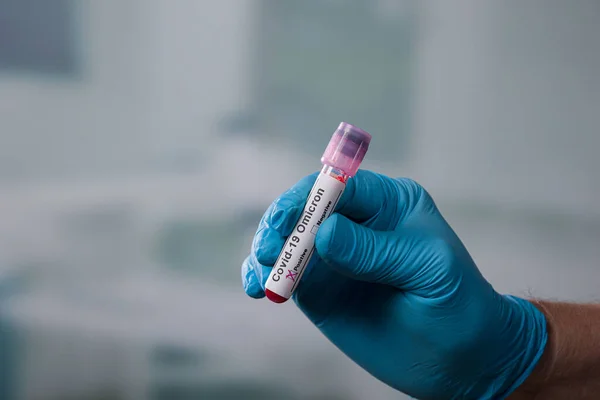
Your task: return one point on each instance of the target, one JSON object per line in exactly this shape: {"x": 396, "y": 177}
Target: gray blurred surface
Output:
{"x": 141, "y": 142}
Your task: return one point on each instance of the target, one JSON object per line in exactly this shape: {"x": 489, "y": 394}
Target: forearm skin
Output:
{"x": 570, "y": 366}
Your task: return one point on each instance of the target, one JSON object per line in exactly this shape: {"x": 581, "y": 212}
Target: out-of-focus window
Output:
{"x": 38, "y": 36}
{"x": 319, "y": 62}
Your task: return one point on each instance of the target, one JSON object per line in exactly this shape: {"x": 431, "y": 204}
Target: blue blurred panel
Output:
{"x": 170, "y": 355}
{"x": 38, "y": 36}
{"x": 8, "y": 359}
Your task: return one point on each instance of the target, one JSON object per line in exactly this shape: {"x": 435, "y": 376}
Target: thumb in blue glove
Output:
{"x": 392, "y": 286}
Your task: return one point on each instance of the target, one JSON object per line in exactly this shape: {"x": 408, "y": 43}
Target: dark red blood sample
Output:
{"x": 274, "y": 297}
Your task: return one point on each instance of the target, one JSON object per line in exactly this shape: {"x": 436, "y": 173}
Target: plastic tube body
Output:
{"x": 300, "y": 245}
{"x": 341, "y": 160}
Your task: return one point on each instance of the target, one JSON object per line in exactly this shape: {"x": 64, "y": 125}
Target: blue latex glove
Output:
{"x": 393, "y": 287}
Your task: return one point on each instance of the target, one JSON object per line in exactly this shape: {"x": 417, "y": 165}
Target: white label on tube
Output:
{"x": 299, "y": 246}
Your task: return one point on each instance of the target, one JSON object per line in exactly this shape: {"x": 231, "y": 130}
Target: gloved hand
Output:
{"x": 393, "y": 287}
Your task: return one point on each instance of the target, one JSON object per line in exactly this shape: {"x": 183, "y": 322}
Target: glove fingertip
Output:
{"x": 325, "y": 239}
{"x": 346, "y": 246}
{"x": 286, "y": 210}
{"x": 252, "y": 288}
{"x": 267, "y": 245}
{"x": 250, "y": 280}
{"x": 255, "y": 291}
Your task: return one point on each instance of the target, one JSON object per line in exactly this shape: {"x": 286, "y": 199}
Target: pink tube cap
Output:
{"x": 347, "y": 148}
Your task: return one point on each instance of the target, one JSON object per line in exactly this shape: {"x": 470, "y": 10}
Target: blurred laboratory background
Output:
{"x": 141, "y": 140}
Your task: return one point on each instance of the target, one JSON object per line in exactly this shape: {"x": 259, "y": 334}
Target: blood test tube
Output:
{"x": 341, "y": 160}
